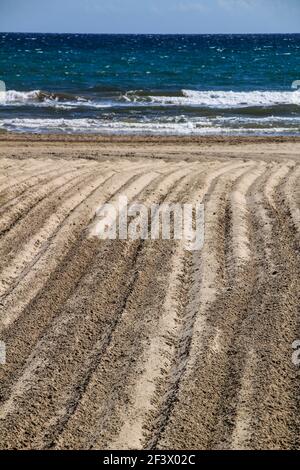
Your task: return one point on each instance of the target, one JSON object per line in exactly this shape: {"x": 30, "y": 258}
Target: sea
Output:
{"x": 150, "y": 84}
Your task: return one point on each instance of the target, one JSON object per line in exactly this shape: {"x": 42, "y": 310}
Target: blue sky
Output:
{"x": 150, "y": 16}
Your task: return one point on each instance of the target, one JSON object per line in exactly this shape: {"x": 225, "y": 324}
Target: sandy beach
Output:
{"x": 123, "y": 344}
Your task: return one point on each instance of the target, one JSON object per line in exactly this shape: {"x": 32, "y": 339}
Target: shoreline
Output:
{"x": 168, "y": 148}
{"x": 119, "y": 138}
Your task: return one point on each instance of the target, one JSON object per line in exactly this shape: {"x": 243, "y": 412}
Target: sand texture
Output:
{"x": 143, "y": 344}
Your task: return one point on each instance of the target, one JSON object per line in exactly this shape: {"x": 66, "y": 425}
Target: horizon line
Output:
{"x": 153, "y": 34}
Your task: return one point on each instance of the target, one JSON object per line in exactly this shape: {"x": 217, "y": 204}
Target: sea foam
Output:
{"x": 230, "y": 99}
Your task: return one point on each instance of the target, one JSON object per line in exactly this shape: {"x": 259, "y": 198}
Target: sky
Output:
{"x": 150, "y": 16}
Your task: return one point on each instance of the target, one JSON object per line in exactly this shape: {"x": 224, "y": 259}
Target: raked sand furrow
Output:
{"x": 239, "y": 406}
{"x": 189, "y": 305}
{"x": 246, "y": 357}
{"x": 20, "y": 249}
{"x": 141, "y": 420}
{"x": 9, "y": 192}
{"x": 240, "y": 243}
{"x": 19, "y": 207}
{"x": 234, "y": 426}
{"x": 121, "y": 369}
{"x": 290, "y": 194}
{"x": 207, "y": 362}
{"x": 144, "y": 422}
{"x": 268, "y": 397}
{"x": 26, "y": 260}
{"x": 60, "y": 242}
{"x": 50, "y": 197}
{"x": 141, "y": 344}
{"x": 22, "y": 174}
{"x": 26, "y": 190}
{"x": 148, "y": 287}
{"x": 136, "y": 187}
{"x": 74, "y": 268}
{"x": 8, "y": 163}
{"x": 65, "y": 234}
{"x": 275, "y": 326}
{"x": 158, "y": 350}
{"x": 15, "y": 169}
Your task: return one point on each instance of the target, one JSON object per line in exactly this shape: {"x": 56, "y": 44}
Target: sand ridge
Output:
{"x": 142, "y": 344}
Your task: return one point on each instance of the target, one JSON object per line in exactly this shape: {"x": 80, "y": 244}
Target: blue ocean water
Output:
{"x": 150, "y": 84}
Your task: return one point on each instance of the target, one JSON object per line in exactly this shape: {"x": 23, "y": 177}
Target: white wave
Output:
{"x": 60, "y": 124}
{"x": 268, "y": 120}
{"x": 230, "y": 99}
{"x": 206, "y": 99}
{"x": 41, "y": 99}
{"x": 18, "y": 97}
{"x": 179, "y": 127}
{"x": 92, "y": 125}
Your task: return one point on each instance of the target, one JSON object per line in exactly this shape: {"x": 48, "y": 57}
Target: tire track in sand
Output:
{"x": 173, "y": 330}
{"x": 201, "y": 388}
{"x": 144, "y": 179}
{"x": 143, "y": 345}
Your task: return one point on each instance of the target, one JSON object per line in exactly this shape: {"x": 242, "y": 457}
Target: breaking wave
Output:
{"x": 222, "y": 99}
{"x": 46, "y": 99}
{"x": 175, "y": 126}
{"x": 192, "y": 98}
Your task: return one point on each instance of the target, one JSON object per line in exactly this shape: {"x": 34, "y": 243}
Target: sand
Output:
{"x": 142, "y": 344}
